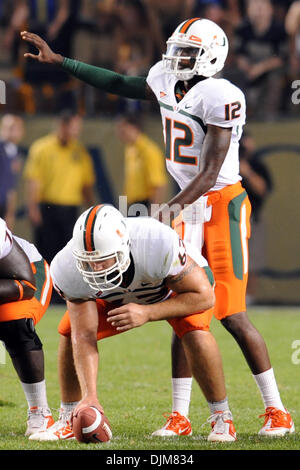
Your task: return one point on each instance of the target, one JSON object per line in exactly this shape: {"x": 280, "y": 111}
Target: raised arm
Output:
{"x": 107, "y": 80}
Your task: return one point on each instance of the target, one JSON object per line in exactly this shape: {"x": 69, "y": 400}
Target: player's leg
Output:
{"x": 278, "y": 421}
{"x": 204, "y": 360}
{"x": 181, "y": 378}
{"x": 69, "y": 389}
{"x": 229, "y": 230}
{"x": 181, "y": 381}
{"x": 25, "y": 349}
{"x": 17, "y": 331}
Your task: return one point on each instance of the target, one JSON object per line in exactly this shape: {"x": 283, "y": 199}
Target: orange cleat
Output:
{"x": 176, "y": 425}
{"x": 277, "y": 423}
{"x": 61, "y": 430}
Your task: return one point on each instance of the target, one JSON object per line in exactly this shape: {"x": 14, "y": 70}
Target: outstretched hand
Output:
{"x": 45, "y": 55}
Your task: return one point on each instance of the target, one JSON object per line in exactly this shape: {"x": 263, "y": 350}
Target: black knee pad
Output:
{"x": 19, "y": 336}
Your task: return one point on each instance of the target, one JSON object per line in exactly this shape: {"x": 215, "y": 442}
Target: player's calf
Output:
{"x": 25, "y": 350}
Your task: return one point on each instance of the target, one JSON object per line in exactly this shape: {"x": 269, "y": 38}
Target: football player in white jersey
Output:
{"x": 117, "y": 274}
{"x": 25, "y": 291}
{"x": 202, "y": 119}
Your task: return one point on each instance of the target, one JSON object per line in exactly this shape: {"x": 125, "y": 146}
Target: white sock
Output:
{"x": 36, "y": 394}
{"x": 215, "y": 406}
{"x": 68, "y": 407}
{"x": 181, "y": 395}
{"x": 268, "y": 388}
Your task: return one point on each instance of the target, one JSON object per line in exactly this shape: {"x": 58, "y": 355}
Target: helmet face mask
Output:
{"x": 200, "y": 50}
{"x": 182, "y": 60}
{"x": 101, "y": 279}
{"x": 101, "y": 247}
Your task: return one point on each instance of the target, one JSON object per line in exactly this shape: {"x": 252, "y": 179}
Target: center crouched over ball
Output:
{"x": 90, "y": 424}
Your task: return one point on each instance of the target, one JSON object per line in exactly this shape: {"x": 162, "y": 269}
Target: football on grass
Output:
{"x": 91, "y": 425}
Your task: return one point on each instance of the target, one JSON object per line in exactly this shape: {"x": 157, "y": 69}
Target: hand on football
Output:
{"x": 87, "y": 401}
{"x": 128, "y": 316}
{"x": 45, "y": 55}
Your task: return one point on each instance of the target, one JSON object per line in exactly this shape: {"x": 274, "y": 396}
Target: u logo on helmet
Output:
{"x": 195, "y": 38}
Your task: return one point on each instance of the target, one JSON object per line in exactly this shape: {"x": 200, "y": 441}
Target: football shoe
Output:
{"x": 176, "y": 425}
{"x": 222, "y": 427}
{"x": 38, "y": 419}
{"x": 277, "y": 423}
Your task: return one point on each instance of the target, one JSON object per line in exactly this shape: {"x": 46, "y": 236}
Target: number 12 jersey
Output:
{"x": 212, "y": 101}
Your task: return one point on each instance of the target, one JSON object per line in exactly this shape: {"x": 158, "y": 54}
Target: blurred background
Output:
{"x": 129, "y": 36}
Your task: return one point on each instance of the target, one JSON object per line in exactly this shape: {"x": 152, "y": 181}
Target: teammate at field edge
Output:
{"x": 116, "y": 274}
{"x": 203, "y": 119}
{"x": 25, "y": 292}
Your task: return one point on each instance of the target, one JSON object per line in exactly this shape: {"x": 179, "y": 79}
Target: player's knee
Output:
{"x": 236, "y": 323}
{"x": 19, "y": 336}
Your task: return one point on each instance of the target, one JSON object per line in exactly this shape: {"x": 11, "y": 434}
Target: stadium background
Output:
{"x": 94, "y": 27}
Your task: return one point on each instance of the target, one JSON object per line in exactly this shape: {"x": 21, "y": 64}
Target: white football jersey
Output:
{"x": 156, "y": 252}
{"x": 6, "y": 239}
{"x": 30, "y": 250}
{"x": 211, "y": 101}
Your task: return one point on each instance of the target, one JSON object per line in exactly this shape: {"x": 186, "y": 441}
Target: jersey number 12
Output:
{"x": 174, "y": 146}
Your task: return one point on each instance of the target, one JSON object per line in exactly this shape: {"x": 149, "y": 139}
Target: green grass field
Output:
{"x": 134, "y": 387}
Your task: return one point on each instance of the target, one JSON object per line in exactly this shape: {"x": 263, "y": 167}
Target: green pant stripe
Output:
{"x": 209, "y": 274}
{"x": 234, "y": 210}
{"x": 39, "y": 278}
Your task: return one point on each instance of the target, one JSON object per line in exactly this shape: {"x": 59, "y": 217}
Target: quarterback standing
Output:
{"x": 202, "y": 119}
